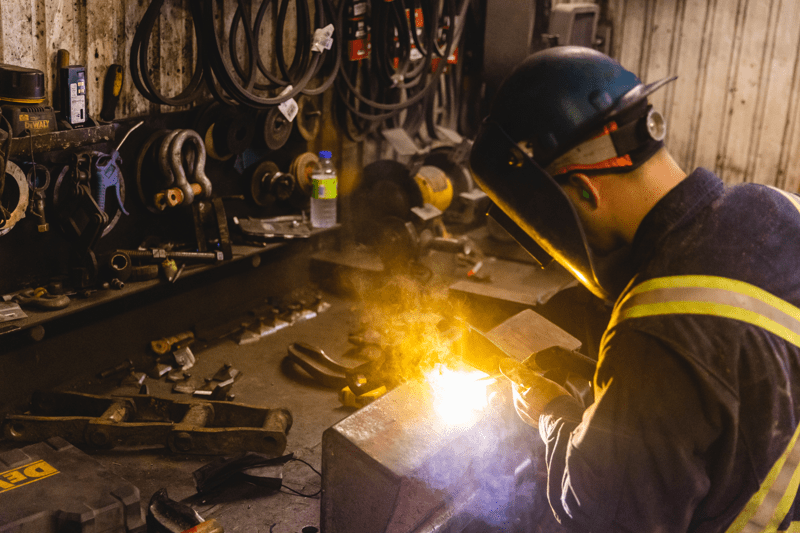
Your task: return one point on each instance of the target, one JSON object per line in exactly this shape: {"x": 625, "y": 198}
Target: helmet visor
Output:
{"x": 534, "y": 201}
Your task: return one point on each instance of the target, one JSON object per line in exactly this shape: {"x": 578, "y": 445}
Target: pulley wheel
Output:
{"x": 233, "y": 131}
{"x": 309, "y": 118}
{"x": 204, "y": 125}
{"x": 268, "y": 184}
{"x": 302, "y": 168}
{"x": 276, "y": 130}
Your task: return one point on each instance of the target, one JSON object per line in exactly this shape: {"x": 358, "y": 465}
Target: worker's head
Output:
{"x": 564, "y": 115}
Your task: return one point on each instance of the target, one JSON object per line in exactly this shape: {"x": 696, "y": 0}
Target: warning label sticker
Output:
{"x": 24, "y": 475}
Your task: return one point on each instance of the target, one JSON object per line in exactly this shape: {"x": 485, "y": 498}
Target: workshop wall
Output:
{"x": 98, "y": 33}
{"x": 734, "y": 108}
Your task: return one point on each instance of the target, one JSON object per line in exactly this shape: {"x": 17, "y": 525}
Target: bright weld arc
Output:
{"x": 459, "y": 395}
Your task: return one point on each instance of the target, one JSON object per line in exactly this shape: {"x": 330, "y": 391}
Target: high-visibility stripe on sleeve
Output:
{"x": 737, "y": 300}
{"x": 768, "y": 507}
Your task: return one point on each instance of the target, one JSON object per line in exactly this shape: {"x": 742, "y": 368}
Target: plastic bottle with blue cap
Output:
{"x": 324, "y": 185}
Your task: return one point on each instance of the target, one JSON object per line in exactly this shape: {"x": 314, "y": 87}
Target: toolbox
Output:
{"x": 52, "y": 486}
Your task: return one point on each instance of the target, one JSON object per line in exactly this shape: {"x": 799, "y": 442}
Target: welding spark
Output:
{"x": 459, "y": 395}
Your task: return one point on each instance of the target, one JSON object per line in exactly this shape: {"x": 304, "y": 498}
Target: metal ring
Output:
{"x": 22, "y": 203}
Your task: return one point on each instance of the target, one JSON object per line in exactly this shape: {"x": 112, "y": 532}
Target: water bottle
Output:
{"x": 323, "y": 193}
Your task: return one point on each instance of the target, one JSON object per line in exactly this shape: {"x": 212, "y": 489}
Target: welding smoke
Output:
{"x": 497, "y": 468}
{"x": 492, "y": 467}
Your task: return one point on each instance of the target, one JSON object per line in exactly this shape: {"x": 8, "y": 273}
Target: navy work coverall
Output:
{"x": 695, "y": 403}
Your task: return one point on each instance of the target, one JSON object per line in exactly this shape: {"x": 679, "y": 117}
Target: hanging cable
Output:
{"x": 140, "y": 67}
{"x": 391, "y": 61}
{"x": 238, "y": 80}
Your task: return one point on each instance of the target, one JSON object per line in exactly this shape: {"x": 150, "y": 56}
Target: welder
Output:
{"x": 694, "y": 424}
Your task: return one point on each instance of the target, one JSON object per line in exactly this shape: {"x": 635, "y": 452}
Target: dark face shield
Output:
{"x": 535, "y": 202}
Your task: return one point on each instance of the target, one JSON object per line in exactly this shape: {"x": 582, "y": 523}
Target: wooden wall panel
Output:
{"x": 734, "y": 106}
{"x": 98, "y": 33}
{"x": 131, "y": 102}
{"x": 778, "y": 128}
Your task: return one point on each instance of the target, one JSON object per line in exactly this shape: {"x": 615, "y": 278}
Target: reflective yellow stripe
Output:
{"x": 737, "y": 300}
{"x": 709, "y": 282}
{"x": 767, "y": 508}
{"x": 706, "y": 308}
{"x": 794, "y": 527}
{"x": 789, "y": 196}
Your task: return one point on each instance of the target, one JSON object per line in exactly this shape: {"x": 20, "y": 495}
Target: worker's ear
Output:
{"x": 584, "y": 190}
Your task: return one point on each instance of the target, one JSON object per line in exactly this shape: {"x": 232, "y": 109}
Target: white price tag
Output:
{"x": 289, "y": 107}
{"x": 323, "y": 39}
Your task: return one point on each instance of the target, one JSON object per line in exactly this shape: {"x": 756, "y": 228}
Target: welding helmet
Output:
{"x": 562, "y": 110}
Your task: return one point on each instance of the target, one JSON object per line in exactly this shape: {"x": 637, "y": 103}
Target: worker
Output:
{"x": 694, "y": 422}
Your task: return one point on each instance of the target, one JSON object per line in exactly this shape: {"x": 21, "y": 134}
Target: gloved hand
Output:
{"x": 532, "y": 391}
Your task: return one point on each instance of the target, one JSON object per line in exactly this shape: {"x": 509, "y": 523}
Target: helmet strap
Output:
{"x": 617, "y": 149}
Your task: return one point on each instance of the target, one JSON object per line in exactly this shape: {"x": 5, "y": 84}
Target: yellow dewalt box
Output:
{"x": 52, "y": 486}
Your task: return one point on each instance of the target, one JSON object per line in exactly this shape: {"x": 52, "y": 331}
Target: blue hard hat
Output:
{"x": 561, "y": 96}
{"x": 555, "y": 100}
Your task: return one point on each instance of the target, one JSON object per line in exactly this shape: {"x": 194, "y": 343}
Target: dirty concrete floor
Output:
{"x": 265, "y": 381}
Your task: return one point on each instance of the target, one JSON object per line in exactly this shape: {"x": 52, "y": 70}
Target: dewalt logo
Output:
{"x": 34, "y": 125}
{"x": 24, "y": 475}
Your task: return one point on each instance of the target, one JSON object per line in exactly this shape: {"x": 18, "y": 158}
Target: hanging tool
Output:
{"x": 82, "y": 220}
{"x": 165, "y": 166}
{"x": 195, "y": 426}
{"x": 112, "y": 87}
{"x": 38, "y": 181}
{"x": 107, "y": 174}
